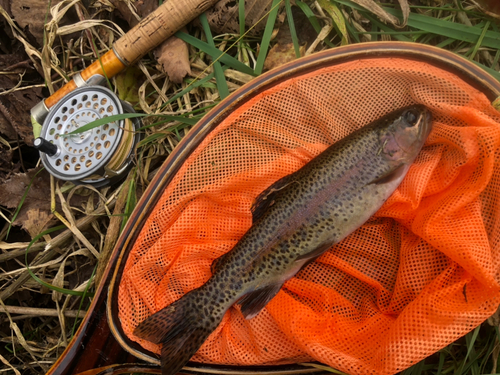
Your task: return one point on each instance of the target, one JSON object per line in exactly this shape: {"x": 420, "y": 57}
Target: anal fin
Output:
{"x": 253, "y": 302}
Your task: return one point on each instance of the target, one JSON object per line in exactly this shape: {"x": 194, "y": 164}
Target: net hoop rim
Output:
{"x": 464, "y": 69}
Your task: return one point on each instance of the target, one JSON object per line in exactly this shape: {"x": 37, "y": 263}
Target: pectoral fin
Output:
{"x": 254, "y": 302}
{"x": 393, "y": 175}
{"x": 313, "y": 254}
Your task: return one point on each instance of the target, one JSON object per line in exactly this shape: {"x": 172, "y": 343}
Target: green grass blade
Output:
{"x": 396, "y": 35}
{"x": 442, "y": 357}
{"x": 312, "y": 19}
{"x": 351, "y": 30}
{"x": 496, "y": 58}
{"x": 215, "y": 53}
{"x": 241, "y": 16}
{"x": 480, "y": 40}
{"x": 219, "y": 73}
{"x": 21, "y": 202}
{"x": 337, "y": 18}
{"x": 449, "y": 29}
{"x": 445, "y": 43}
{"x": 122, "y": 116}
{"x": 309, "y": 14}
{"x": 470, "y": 339}
{"x": 167, "y": 118}
{"x": 103, "y": 121}
{"x": 375, "y": 29}
{"x": 82, "y": 299}
{"x": 192, "y": 86}
{"x": 291, "y": 25}
{"x": 152, "y": 138}
{"x": 266, "y": 37}
{"x": 130, "y": 205}
{"x": 102, "y": 66}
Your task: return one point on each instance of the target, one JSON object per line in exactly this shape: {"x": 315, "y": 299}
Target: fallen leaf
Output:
{"x": 283, "y": 51}
{"x": 145, "y": 7}
{"x": 173, "y": 57}
{"x": 6, "y": 128}
{"x": 16, "y": 106}
{"x": 281, "y": 54}
{"x": 6, "y": 154}
{"x": 128, "y": 83}
{"x": 33, "y": 14}
{"x": 38, "y": 197}
{"x": 37, "y": 221}
{"x": 124, "y": 12}
{"x": 173, "y": 54}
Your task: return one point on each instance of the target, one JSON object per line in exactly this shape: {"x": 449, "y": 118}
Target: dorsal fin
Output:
{"x": 266, "y": 199}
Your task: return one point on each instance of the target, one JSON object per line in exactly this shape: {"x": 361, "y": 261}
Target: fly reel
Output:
{"x": 98, "y": 156}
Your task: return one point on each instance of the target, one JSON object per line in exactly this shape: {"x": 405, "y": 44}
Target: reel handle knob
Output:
{"x": 45, "y": 146}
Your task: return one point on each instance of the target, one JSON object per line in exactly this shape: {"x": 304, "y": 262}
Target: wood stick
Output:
{"x": 36, "y": 311}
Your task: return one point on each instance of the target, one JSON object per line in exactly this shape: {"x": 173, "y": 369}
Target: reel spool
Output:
{"x": 99, "y": 156}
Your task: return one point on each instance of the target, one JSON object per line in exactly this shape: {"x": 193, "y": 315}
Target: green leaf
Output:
{"x": 104, "y": 121}
{"x": 309, "y": 14}
{"x": 291, "y": 25}
{"x": 128, "y": 83}
{"x": 219, "y": 73}
{"x": 337, "y": 17}
{"x": 82, "y": 299}
{"x": 215, "y": 53}
{"x": 450, "y": 29}
{"x": 480, "y": 40}
{"x": 192, "y": 86}
{"x": 397, "y": 35}
{"x": 130, "y": 205}
{"x": 266, "y": 37}
{"x": 241, "y": 16}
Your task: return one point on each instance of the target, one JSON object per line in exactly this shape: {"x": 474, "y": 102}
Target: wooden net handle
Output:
{"x": 158, "y": 26}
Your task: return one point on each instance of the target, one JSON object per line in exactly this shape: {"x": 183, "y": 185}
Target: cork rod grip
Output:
{"x": 167, "y": 19}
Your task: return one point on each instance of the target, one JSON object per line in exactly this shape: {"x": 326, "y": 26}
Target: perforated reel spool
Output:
{"x": 98, "y": 156}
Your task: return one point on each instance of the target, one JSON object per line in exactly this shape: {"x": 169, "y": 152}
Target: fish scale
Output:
{"x": 295, "y": 220}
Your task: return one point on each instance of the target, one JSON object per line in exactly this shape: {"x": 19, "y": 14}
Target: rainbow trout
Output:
{"x": 295, "y": 220}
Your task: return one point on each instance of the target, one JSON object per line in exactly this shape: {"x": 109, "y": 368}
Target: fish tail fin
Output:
{"x": 181, "y": 329}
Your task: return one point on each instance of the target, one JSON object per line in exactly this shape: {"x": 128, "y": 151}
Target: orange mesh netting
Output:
{"x": 418, "y": 275}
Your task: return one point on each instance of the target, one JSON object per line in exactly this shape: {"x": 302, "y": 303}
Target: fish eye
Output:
{"x": 411, "y": 118}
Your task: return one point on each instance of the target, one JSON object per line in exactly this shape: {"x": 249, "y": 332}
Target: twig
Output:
{"x": 35, "y": 311}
